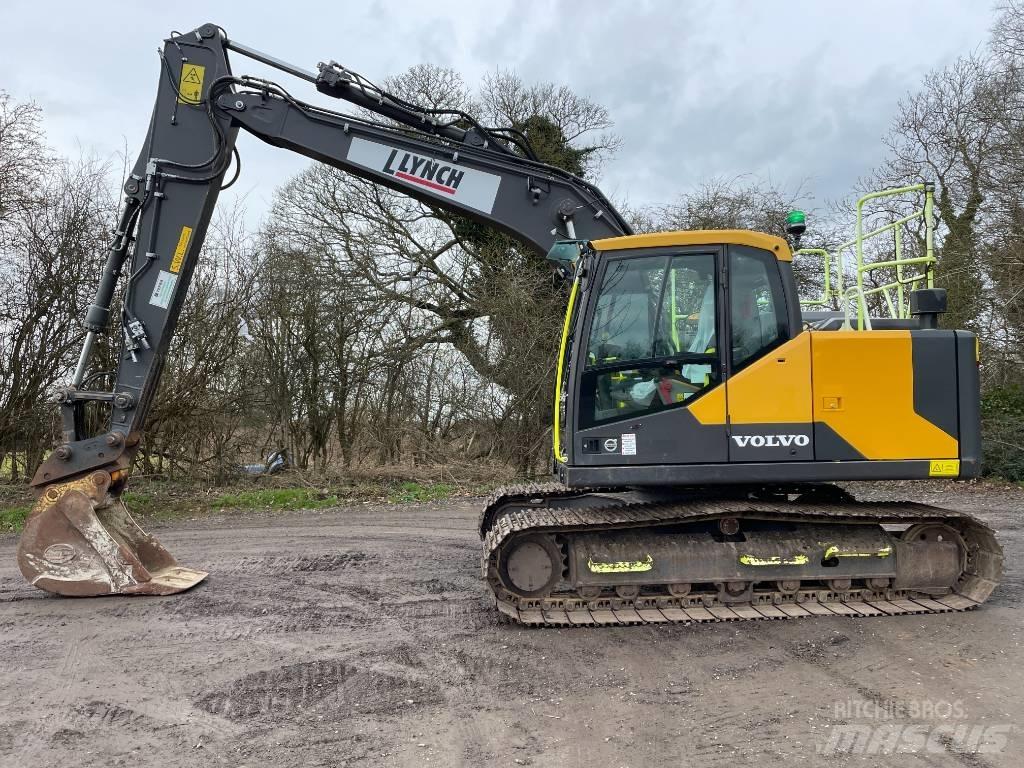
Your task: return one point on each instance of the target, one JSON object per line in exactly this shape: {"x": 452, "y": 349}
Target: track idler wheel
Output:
{"x": 80, "y": 542}
{"x": 531, "y": 565}
{"x": 932, "y": 558}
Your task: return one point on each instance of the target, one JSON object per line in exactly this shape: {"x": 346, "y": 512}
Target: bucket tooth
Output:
{"x": 79, "y": 542}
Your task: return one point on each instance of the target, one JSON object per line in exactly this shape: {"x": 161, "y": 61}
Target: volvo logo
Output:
{"x": 771, "y": 441}
{"x": 611, "y": 445}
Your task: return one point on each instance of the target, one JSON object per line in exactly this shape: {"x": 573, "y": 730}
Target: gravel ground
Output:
{"x": 362, "y": 636}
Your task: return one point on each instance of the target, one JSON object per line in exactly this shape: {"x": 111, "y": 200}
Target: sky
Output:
{"x": 796, "y": 93}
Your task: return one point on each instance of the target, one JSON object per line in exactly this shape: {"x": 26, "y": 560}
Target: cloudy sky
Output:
{"x": 790, "y": 91}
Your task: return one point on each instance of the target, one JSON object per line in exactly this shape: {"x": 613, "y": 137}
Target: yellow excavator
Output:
{"x": 702, "y": 416}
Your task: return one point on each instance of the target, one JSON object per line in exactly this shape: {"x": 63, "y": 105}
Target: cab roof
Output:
{"x": 770, "y": 243}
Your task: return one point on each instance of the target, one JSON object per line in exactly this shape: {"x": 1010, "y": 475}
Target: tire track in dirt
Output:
{"x": 54, "y": 698}
{"x": 327, "y": 687}
{"x": 281, "y": 564}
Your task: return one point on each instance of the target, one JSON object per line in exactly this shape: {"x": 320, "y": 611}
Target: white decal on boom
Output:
{"x": 442, "y": 178}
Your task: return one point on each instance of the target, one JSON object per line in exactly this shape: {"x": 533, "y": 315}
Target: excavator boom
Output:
{"x": 79, "y": 539}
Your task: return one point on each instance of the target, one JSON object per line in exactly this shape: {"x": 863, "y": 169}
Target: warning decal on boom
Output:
{"x": 180, "y": 249}
{"x": 190, "y": 87}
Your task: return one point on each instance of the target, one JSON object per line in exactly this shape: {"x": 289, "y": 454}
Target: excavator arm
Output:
{"x": 79, "y": 539}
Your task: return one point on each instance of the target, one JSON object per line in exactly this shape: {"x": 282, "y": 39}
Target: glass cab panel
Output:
{"x": 651, "y": 344}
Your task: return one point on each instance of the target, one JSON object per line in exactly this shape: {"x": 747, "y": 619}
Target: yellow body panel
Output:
{"x": 864, "y": 390}
{"x": 767, "y": 391}
{"x": 859, "y": 383}
{"x": 769, "y": 243}
{"x": 776, "y": 389}
{"x": 710, "y": 407}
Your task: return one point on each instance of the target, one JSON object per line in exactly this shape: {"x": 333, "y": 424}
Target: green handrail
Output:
{"x": 863, "y": 320}
{"x": 857, "y": 294}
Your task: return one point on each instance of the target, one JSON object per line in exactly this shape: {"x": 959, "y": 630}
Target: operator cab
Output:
{"x": 685, "y": 360}
{"x": 644, "y": 336}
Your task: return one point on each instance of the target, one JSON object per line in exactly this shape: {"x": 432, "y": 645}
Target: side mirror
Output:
{"x": 564, "y": 254}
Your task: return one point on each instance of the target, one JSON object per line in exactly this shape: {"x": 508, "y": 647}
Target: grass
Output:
{"x": 276, "y": 499}
{"x": 285, "y": 499}
{"x": 411, "y": 491}
{"x": 13, "y": 518}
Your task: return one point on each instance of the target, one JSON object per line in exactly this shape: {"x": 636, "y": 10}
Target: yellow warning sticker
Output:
{"x": 181, "y": 249}
{"x": 190, "y": 86}
{"x": 944, "y": 468}
{"x": 773, "y": 560}
{"x": 834, "y": 551}
{"x": 621, "y": 566}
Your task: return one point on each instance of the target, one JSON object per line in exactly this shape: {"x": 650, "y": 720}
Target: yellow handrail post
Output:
{"x": 673, "y": 314}
{"x": 857, "y": 294}
{"x": 556, "y": 433}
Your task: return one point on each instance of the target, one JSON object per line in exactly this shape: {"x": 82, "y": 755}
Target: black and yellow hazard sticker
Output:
{"x": 944, "y": 468}
{"x": 181, "y": 249}
{"x": 190, "y": 86}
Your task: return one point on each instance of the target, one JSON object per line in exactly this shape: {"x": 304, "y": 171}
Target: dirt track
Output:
{"x": 363, "y": 636}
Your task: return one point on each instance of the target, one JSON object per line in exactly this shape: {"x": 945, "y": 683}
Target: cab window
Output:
{"x": 652, "y": 338}
{"x": 757, "y": 309}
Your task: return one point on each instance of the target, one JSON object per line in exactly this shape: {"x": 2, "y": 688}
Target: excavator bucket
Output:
{"x": 80, "y": 542}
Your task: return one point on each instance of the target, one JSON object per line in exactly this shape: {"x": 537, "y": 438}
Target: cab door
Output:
{"x": 768, "y": 383}
{"x": 651, "y": 354}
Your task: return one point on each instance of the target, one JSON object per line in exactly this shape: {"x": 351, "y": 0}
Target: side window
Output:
{"x": 652, "y": 340}
{"x": 757, "y": 308}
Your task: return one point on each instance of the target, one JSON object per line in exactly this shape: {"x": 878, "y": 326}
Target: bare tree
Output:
{"x": 939, "y": 135}
{"x": 51, "y": 242}
{"x": 24, "y": 157}
{"x": 491, "y": 299}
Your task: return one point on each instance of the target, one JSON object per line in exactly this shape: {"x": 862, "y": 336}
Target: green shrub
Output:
{"x": 1002, "y": 432}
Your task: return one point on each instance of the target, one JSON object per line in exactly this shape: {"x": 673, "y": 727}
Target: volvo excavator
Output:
{"x": 702, "y": 419}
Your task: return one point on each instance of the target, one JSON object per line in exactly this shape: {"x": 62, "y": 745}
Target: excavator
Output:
{"x": 702, "y": 418}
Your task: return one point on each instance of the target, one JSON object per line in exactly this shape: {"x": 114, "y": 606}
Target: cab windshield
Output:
{"x": 652, "y": 339}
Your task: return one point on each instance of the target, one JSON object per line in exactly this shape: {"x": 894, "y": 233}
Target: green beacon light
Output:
{"x": 796, "y": 225}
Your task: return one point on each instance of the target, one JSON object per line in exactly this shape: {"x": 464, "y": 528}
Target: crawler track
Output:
{"x": 552, "y": 508}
